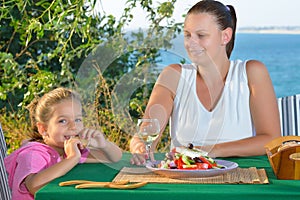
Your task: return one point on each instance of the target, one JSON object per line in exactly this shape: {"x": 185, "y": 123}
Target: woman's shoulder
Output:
{"x": 170, "y": 72}
{"x": 172, "y": 67}
{"x": 255, "y": 63}
{"x": 169, "y": 78}
{"x": 257, "y": 72}
{"x": 256, "y": 68}
{"x": 177, "y": 68}
{"x": 250, "y": 64}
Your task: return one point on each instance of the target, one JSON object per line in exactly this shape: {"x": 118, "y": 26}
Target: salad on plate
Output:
{"x": 188, "y": 158}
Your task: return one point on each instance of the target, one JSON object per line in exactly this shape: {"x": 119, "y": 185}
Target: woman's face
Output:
{"x": 202, "y": 38}
{"x": 66, "y": 121}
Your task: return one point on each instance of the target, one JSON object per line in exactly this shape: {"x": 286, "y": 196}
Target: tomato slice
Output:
{"x": 202, "y": 166}
{"x": 210, "y": 165}
{"x": 190, "y": 167}
{"x": 173, "y": 150}
{"x": 179, "y": 163}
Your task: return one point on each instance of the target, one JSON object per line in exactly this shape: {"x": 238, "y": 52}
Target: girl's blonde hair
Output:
{"x": 41, "y": 109}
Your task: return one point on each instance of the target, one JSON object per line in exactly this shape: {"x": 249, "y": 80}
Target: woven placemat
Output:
{"x": 250, "y": 175}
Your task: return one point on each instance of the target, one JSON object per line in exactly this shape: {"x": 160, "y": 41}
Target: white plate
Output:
{"x": 188, "y": 173}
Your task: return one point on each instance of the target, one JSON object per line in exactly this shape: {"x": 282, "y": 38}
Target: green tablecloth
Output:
{"x": 277, "y": 189}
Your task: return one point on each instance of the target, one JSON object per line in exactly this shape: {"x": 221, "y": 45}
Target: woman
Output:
{"x": 227, "y": 108}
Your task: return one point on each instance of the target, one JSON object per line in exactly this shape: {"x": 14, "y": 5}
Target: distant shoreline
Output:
{"x": 270, "y": 30}
{"x": 258, "y": 30}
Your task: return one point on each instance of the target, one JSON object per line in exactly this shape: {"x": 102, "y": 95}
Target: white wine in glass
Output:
{"x": 148, "y": 131}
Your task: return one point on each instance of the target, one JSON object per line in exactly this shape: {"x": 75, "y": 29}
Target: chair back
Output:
{"x": 5, "y": 193}
{"x": 289, "y": 110}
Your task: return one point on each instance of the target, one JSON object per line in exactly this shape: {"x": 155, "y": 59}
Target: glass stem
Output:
{"x": 149, "y": 154}
{"x": 148, "y": 148}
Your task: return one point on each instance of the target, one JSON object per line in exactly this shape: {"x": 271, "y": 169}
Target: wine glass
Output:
{"x": 148, "y": 131}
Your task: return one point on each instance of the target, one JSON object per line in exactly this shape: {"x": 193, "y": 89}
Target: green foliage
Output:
{"x": 43, "y": 44}
{"x": 15, "y": 129}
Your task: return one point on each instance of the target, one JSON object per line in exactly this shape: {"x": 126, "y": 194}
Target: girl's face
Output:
{"x": 66, "y": 121}
{"x": 202, "y": 38}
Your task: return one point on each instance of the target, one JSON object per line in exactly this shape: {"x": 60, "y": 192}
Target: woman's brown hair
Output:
{"x": 225, "y": 17}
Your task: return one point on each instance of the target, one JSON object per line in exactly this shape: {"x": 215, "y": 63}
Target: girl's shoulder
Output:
{"x": 30, "y": 151}
{"x": 33, "y": 147}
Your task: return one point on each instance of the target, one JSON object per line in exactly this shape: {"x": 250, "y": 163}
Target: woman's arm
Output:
{"x": 160, "y": 106}
{"x": 264, "y": 112}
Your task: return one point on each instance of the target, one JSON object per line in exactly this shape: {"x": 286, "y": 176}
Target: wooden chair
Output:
{"x": 289, "y": 110}
{"x": 5, "y": 193}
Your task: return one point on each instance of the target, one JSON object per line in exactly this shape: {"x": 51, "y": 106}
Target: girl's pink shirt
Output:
{"x": 31, "y": 158}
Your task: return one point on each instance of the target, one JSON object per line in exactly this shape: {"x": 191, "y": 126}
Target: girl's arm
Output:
{"x": 109, "y": 153}
{"x": 101, "y": 150}
{"x": 34, "y": 182}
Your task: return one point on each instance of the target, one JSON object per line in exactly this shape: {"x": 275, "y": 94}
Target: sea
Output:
{"x": 279, "y": 52}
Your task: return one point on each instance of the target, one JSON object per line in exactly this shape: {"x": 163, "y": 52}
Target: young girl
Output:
{"x": 56, "y": 144}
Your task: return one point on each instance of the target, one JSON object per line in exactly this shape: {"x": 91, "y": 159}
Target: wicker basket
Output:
{"x": 284, "y": 157}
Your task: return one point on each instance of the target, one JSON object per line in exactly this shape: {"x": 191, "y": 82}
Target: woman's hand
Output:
{"x": 138, "y": 158}
{"x": 138, "y": 151}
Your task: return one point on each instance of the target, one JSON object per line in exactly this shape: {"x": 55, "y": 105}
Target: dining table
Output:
{"x": 104, "y": 172}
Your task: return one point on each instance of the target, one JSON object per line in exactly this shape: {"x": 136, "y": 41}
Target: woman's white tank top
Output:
{"x": 230, "y": 120}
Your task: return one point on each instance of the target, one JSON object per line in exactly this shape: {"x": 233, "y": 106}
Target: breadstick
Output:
{"x": 92, "y": 185}
{"x": 99, "y": 184}
{"x": 129, "y": 186}
{"x": 74, "y": 182}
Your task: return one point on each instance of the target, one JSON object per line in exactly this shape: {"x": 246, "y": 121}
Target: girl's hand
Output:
{"x": 71, "y": 148}
{"x": 96, "y": 138}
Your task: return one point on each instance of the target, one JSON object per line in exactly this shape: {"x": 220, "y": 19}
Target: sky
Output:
{"x": 250, "y": 13}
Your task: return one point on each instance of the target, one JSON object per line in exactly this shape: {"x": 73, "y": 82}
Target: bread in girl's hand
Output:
{"x": 84, "y": 142}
